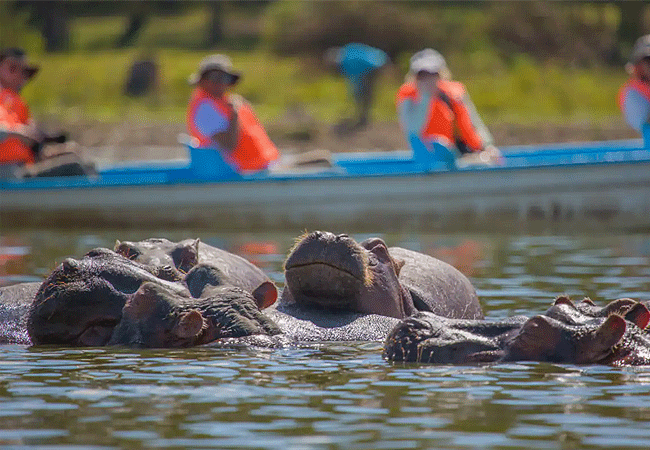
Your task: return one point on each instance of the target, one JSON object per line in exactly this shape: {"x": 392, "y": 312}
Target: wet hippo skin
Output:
{"x": 566, "y": 333}
{"x": 333, "y": 272}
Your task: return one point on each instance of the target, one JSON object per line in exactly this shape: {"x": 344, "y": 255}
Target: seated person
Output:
{"x": 217, "y": 119}
{"x": 18, "y": 134}
{"x": 634, "y": 96}
{"x": 359, "y": 64}
{"x": 434, "y": 108}
{"x": 20, "y": 140}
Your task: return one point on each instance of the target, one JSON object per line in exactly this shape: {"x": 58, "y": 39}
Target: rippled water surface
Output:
{"x": 336, "y": 395}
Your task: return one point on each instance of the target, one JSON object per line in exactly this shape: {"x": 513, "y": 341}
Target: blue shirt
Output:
{"x": 209, "y": 121}
{"x": 636, "y": 108}
{"x": 357, "y": 60}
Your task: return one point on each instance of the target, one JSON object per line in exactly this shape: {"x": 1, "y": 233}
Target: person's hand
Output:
{"x": 491, "y": 155}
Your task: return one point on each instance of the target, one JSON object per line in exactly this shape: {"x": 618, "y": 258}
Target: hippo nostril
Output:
{"x": 342, "y": 236}
{"x": 70, "y": 265}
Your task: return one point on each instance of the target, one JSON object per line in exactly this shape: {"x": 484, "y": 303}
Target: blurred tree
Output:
{"x": 51, "y": 17}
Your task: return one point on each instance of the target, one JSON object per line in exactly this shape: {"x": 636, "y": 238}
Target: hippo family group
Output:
{"x": 161, "y": 294}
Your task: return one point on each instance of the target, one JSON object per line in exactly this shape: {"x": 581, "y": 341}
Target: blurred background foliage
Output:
{"x": 522, "y": 61}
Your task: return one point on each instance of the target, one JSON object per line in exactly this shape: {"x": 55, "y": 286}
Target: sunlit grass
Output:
{"x": 87, "y": 83}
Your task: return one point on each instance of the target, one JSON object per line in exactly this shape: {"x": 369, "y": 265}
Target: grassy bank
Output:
{"x": 86, "y": 83}
{"x": 89, "y": 85}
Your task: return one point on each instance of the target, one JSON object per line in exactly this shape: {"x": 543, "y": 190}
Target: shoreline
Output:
{"x": 125, "y": 141}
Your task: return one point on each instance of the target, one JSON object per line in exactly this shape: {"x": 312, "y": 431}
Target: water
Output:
{"x": 336, "y": 396}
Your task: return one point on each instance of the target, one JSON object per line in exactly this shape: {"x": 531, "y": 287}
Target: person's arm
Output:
{"x": 413, "y": 114}
{"x": 477, "y": 123}
{"x": 227, "y": 139}
{"x": 636, "y": 109}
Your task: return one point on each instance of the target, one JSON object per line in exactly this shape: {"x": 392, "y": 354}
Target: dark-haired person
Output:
{"x": 18, "y": 131}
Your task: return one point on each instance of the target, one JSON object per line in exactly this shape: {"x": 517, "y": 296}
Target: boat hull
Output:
{"x": 612, "y": 196}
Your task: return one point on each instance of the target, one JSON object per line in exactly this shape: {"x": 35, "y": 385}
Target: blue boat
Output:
{"x": 590, "y": 186}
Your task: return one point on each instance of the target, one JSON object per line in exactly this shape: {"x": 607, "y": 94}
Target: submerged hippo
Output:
{"x": 81, "y": 302}
{"x": 564, "y": 334}
{"x": 155, "y": 316}
{"x": 180, "y": 257}
{"x": 334, "y": 272}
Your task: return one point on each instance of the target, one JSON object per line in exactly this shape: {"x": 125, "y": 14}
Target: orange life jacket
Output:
{"x": 13, "y": 112}
{"x": 447, "y": 115}
{"x": 254, "y": 150}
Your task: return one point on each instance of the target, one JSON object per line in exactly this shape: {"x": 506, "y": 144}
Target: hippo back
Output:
{"x": 437, "y": 286}
{"x": 15, "y": 302}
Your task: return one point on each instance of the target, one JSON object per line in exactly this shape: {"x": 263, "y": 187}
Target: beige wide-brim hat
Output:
{"x": 215, "y": 62}
{"x": 427, "y": 60}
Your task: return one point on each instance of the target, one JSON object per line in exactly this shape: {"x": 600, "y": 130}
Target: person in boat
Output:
{"x": 18, "y": 132}
{"x": 434, "y": 108}
{"x": 21, "y": 141}
{"x": 219, "y": 119}
{"x": 360, "y": 65}
{"x": 634, "y": 96}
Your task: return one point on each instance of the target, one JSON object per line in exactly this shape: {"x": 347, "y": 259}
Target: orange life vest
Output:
{"x": 254, "y": 150}
{"x": 447, "y": 116}
{"x": 13, "y": 112}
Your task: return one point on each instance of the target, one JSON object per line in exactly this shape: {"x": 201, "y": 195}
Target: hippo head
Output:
{"x": 334, "y": 271}
{"x": 156, "y": 317}
{"x": 585, "y": 334}
{"x": 566, "y": 311}
{"x": 429, "y": 338}
{"x": 76, "y": 305}
{"x": 160, "y": 252}
{"x": 81, "y": 301}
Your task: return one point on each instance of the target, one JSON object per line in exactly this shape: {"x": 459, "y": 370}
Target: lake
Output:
{"x": 337, "y": 395}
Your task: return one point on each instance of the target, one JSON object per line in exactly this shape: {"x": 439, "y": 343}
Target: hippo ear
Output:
{"x": 398, "y": 264}
{"x": 125, "y": 249}
{"x": 619, "y": 306}
{"x": 141, "y": 303}
{"x": 189, "y": 324}
{"x": 638, "y": 315}
{"x": 265, "y": 294}
{"x": 186, "y": 256}
{"x": 588, "y": 301}
{"x": 537, "y": 339}
{"x": 563, "y": 300}
{"x": 603, "y": 339}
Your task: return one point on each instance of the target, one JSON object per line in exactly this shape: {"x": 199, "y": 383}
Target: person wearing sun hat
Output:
{"x": 436, "y": 109}
{"x": 18, "y": 132}
{"x": 634, "y": 95}
{"x": 224, "y": 121}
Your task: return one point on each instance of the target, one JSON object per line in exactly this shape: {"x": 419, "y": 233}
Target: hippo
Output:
{"x": 336, "y": 290}
{"x": 15, "y": 301}
{"x": 564, "y": 334}
{"x": 333, "y": 272}
{"x": 81, "y": 302}
{"x": 156, "y": 317}
{"x": 178, "y": 258}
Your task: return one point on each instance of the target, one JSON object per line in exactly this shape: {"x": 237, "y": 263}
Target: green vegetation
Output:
{"x": 86, "y": 83}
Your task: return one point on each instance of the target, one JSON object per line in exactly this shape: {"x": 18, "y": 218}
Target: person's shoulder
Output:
{"x": 407, "y": 90}
{"x": 454, "y": 89}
